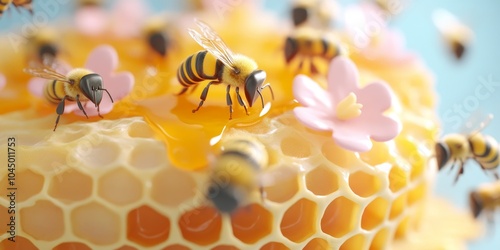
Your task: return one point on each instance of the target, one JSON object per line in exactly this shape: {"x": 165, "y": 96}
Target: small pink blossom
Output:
{"x": 3, "y": 81}
{"x": 353, "y": 114}
{"x": 103, "y": 60}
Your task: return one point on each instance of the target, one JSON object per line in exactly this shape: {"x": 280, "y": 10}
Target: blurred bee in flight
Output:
{"x": 456, "y": 35}
{"x": 42, "y": 47}
{"x": 218, "y": 64}
{"x": 235, "y": 174}
{"x": 315, "y": 13}
{"x": 79, "y": 85}
{"x": 308, "y": 44}
{"x": 4, "y": 5}
{"x": 485, "y": 198}
{"x": 89, "y": 3}
{"x": 458, "y": 148}
{"x": 157, "y": 39}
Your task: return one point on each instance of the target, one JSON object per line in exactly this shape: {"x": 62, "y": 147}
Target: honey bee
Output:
{"x": 218, "y": 64}
{"x": 155, "y": 36}
{"x": 305, "y": 43}
{"x": 235, "y": 174}
{"x": 457, "y": 35}
{"x": 42, "y": 47}
{"x": 4, "y": 5}
{"x": 485, "y": 198}
{"x": 79, "y": 85}
{"x": 458, "y": 148}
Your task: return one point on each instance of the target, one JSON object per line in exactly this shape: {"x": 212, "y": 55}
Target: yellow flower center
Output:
{"x": 348, "y": 108}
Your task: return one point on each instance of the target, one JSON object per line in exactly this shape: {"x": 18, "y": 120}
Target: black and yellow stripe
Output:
{"x": 54, "y": 91}
{"x": 199, "y": 67}
{"x": 485, "y": 150}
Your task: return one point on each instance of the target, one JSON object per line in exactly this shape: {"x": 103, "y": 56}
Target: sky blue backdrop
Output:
{"x": 455, "y": 81}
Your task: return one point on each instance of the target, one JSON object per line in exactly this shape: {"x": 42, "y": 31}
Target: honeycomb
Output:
{"x": 137, "y": 179}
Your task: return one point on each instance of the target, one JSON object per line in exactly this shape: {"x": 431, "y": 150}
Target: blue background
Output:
{"x": 455, "y": 81}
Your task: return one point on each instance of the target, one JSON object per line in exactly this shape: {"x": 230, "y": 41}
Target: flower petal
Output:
{"x": 376, "y": 97}
{"x": 342, "y": 78}
{"x": 119, "y": 85}
{"x": 384, "y": 128}
{"x": 310, "y": 94}
{"x": 102, "y": 60}
{"x": 313, "y": 118}
{"x": 127, "y": 17}
{"x": 352, "y": 140}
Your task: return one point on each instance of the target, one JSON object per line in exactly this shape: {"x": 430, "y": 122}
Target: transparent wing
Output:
{"x": 46, "y": 73}
{"x": 476, "y": 122}
{"x": 212, "y": 42}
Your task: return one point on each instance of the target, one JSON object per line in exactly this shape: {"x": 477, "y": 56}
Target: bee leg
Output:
{"x": 182, "y": 91}
{"x": 460, "y": 171}
{"x": 59, "y": 111}
{"x": 203, "y": 95}
{"x": 229, "y": 102}
{"x": 240, "y": 100}
{"x": 80, "y": 106}
{"x": 496, "y": 175}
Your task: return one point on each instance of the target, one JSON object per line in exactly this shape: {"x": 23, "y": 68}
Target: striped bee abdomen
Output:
{"x": 485, "y": 150}
{"x": 199, "y": 67}
{"x": 54, "y": 91}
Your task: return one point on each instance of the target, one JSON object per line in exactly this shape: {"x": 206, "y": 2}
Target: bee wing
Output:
{"x": 212, "y": 42}
{"x": 476, "y": 122}
{"x": 282, "y": 173}
{"x": 47, "y": 73}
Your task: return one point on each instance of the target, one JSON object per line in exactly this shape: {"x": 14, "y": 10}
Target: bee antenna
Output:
{"x": 261, "y": 99}
{"x": 270, "y": 88}
{"x": 108, "y": 94}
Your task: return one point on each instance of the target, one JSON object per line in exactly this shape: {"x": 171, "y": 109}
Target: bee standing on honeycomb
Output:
{"x": 79, "y": 85}
{"x": 219, "y": 65}
{"x": 458, "y": 148}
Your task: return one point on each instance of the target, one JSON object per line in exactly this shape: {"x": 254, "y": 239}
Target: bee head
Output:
{"x": 224, "y": 198}
{"x": 442, "y": 154}
{"x": 291, "y": 49}
{"x": 91, "y": 86}
{"x": 158, "y": 43}
{"x": 253, "y": 84}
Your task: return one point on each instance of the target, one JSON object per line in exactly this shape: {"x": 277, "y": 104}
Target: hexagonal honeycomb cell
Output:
{"x": 96, "y": 223}
{"x": 71, "y": 186}
{"x": 31, "y": 181}
{"x": 147, "y": 227}
{"x": 364, "y": 184}
{"x": 340, "y": 217}
{"x": 251, "y": 223}
{"x": 322, "y": 181}
{"x": 43, "y": 221}
{"x": 201, "y": 226}
{"x": 374, "y": 214}
{"x": 355, "y": 242}
{"x": 120, "y": 187}
{"x": 298, "y": 222}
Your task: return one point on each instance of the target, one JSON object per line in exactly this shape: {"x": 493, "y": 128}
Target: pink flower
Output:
{"x": 353, "y": 114}
{"x": 3, "y": 81}
{"x": 103, "y": 60}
